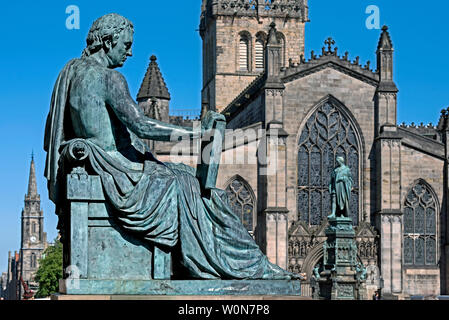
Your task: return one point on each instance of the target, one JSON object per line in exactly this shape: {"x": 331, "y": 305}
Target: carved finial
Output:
{"x": 329, "y": 42}
{"x": 302, "y": 59}
{"x": 313, "y": 55}
{"x": 346, "y": 57}
{"x": 153, "y": 58}
{"x": 357, "y": 61}
{"x": 367, "y": 67}
{"x": 385, "y": 42}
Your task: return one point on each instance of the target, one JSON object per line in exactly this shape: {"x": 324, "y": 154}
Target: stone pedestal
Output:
{"x": 342, "y": 278}
{"x": 82, "y": 287}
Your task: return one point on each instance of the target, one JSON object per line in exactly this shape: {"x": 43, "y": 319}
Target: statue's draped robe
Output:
{"x": 162, "y": 203}
{"x": 341, "y": 186}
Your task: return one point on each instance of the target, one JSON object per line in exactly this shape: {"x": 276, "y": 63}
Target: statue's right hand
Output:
{"x": 209, "y": 120}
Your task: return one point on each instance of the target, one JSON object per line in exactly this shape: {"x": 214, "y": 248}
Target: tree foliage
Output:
{"x": 50, "y": 271}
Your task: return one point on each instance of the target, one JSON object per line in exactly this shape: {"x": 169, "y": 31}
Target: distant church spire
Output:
{"x": 153, "y": 85}
{"x": 32, "y": 185}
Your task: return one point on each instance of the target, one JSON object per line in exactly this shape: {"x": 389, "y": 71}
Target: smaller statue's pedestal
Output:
{"x": 340, "y": 279}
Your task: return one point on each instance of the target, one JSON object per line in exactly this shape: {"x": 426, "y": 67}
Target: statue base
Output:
{"x": 60, "y": 297}
{"x": 341, "y": 280}
{"x": 181, "y": 287}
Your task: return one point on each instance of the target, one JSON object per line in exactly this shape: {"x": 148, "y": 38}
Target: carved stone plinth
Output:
{"x": 181, "y": 287}
{"x": 343, "y": 277}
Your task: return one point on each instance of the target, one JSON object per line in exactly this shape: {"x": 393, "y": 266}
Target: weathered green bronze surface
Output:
{"x": 340, "y": 189}
{"x": 123, "y": 214}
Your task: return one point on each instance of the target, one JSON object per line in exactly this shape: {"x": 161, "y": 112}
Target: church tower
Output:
{"x": 34, "y": 239}
{"x": 234, "y": 37}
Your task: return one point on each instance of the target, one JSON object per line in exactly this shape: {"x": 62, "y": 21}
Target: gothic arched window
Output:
{"x": 327, "y": 134}
{"x": 242, "y": 201}
{"x": 420, "y": 226}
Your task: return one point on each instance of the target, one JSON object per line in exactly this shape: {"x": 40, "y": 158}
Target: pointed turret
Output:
{"x": 153, "y": 85}
{"x": 153, "y": 96}
{"x": 32, "y": 185}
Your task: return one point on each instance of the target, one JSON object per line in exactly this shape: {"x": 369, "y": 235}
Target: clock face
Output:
{"x": 33, "y": 239}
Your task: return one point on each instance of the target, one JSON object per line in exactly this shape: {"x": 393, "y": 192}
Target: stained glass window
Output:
{"x": 242, "y": 202}
{"x": 327, "y": 134}
{"x": 420, "y": 221}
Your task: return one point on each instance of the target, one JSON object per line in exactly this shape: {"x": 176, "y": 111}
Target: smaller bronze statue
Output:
{"x": 340, "y": 189}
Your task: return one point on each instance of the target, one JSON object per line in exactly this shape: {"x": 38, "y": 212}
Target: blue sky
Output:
{"x": 36, "y": 44}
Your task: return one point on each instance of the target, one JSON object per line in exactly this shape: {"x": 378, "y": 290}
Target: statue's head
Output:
{"x": 341, "y": 161}
{"x": 113, "y": 34}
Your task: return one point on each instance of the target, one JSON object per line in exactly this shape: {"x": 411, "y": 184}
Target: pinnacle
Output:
{"x": 272, "y": 36}
{"x": 385, "y": 40}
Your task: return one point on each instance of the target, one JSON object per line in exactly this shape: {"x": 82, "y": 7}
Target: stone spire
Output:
{"x": 153, "y": 85}
{"x": 32, "y": 185}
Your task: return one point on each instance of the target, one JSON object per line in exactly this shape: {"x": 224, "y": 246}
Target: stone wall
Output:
{"x": 251, "y": 114}
{"x": 417, "y": 165}
{"x": 224, "y": 81}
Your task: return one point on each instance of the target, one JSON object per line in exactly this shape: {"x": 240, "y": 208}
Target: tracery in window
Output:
{"x": 420, "y": 226}
{"x": 327, "y": 134}
{"x": 242, "y": 202}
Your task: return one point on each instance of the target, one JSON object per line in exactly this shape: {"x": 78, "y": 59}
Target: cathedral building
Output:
{"x": 309, "y": 111}
{"x": 22, "y": 265}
